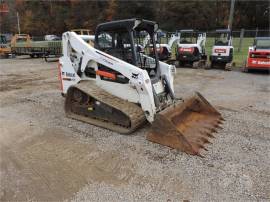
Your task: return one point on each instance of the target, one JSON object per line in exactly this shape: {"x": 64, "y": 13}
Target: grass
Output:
{"x": 238, "y": 56}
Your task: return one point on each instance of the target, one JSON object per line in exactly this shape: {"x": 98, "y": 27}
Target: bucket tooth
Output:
{"x": 219, "y": 127}
{"x": 205, "y": 140}
{"x": 186, "y": 126}
{"x": 207, "y": 127}
{"x": 200, "y": 155}
{"x": 205, "y": 149}
{"x": 220, "y": 121}
{"x": 210, "y": 135}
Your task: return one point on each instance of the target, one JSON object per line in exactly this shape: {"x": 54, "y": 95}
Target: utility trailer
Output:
{"x": 22, "y": 44}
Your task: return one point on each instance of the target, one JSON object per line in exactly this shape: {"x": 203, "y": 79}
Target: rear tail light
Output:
{"x": 181, "y": 49}
{"x": 220, "y": 50}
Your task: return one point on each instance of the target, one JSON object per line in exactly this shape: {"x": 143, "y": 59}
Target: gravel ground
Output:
{"x": 48, "y": 157}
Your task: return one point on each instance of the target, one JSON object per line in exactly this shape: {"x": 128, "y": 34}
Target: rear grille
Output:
{"x": 259, "y": 55}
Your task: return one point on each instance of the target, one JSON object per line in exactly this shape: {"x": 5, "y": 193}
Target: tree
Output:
{"x": 56, "y": 17}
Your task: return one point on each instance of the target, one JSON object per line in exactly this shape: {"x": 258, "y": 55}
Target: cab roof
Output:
{"x": 188, "y": 30}
{"x": 223, "y": 30}
{"x": 265, "y": 38}
{"x": 128, "y": 24}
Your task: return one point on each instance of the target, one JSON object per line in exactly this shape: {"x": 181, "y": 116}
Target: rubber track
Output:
{"x": 133, "y": 111}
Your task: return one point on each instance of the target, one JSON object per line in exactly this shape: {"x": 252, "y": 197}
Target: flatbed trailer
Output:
{"x": 23, "y": 45}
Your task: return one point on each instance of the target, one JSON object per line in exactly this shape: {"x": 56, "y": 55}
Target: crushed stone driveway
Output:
{"x": 48, "y": 157}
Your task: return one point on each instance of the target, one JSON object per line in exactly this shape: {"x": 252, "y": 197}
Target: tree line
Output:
{"x": 56, "y": 17}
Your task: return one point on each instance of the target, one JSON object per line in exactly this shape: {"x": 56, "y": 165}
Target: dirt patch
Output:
{"x": 15, "y": 83}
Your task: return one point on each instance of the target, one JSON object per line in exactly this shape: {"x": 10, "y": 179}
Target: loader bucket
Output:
{"x": 186, "y": 126}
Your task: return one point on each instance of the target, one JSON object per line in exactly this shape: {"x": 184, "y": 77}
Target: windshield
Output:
{"x": 145, "y": 52}
{"x": 120, "y": 44}
{"x": 262, "y": 43}
{"x": 188, "y": 38}
{"x": 222, "y": 39}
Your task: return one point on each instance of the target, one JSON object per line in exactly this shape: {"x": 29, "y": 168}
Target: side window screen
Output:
{"x": 222, "y": 39}
{"x": 104, "y": 40}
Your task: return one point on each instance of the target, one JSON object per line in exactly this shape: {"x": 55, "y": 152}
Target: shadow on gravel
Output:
{"x": 259, "y": 72}
{"x": 26, "y": 57}
{"x": 252, "y": 71}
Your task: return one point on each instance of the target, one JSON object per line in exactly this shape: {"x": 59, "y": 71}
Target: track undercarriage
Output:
{"x": 89, "y": 103}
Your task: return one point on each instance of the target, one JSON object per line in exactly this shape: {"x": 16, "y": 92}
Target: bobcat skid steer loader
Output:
{"x": 222, "y": 51}
{"x": 115, "y": 86}
{"x": 191, "y": 48}
{"x": 258, "y": 55}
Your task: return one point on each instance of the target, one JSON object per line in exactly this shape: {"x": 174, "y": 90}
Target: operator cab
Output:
{"x": 223, "y": 37}
{"x": 123, "y": 39}
{"x": 188, "y": 36}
